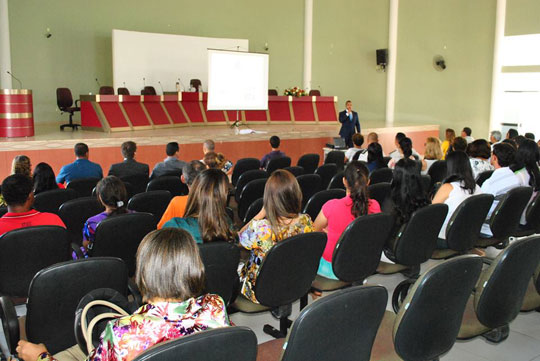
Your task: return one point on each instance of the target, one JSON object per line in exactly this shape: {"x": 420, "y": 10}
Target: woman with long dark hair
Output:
{"x": 458, "y": 186}
{"x": 525, "y": 168}
{"x": 406, "y": 151}
{"x": 44, "y": 178}
{"x": 337, "y": 214}
{"x": 375, "y": 159}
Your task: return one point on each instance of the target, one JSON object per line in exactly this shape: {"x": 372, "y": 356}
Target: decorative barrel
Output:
{"x": 16, "y": 113}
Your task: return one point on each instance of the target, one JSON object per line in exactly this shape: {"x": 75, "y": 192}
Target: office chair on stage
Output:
{"x": 64, "y": 100}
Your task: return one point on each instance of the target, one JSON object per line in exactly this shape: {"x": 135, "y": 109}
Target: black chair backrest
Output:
{"x": 532, "y": 216}
{"x": 139, "y": 182}
{"x": 381, "y": 175}
{"x": 251, "y": 192}
{"x": 464, "y": 226}
{"x": 170, "y": 183}
{"x": 278, "y": 163}
{"x": 358, "y": 251}
{"x": 253, "y": 210}
{"x": 83, "y": 186}
{"x": 196, "y": 83}
{"x": 272, "y": 92}
{"x": 75, "y": 213}
{"x": 505, "y": 218}
{"x": 386, "y": 160}
{"x": 342, "y": 312}
{"x": 148, "y": 90}
{"x": 315, "y": 203}
{"x": 315, "y": 93}
{"x": 326, "y": 172}
{"x": 25, "y": 251}
{"x": 482, "y": 177}
{"x": 309, "y": 162}
{"x": 502, "y": 287}
{"x": 154, "y": 202}
{"x": 295, "y": 170}
{"x": 220, "y": 264}
{"x": 123, "y": 91}
{"x": 428, "y": 322}
{"x": 106, "y": 90}
{"x": 64, "y": 99}
{"x": 381, "y": 193}
{"x": 437, "y": 172}
{"x": 337, "y": 182}
{"x": 120, "y": 235}
{"x": 426, "y": 182}
{"x": 225, "y": 343}
{"x": 309, "y": 185}
{"x": 50, "y": 201}
{"x": 247, "y": 177}
{"x": 3, "y": 210}
{"x": 289, "y": 268}
{"x": 417, "y": 239}
{"x": 243, "y": 165}
{"x": 55, "y": 293}
{"x": 336, "y": 157}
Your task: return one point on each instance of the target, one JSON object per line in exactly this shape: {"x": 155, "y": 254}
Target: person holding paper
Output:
{"x": 349, "y": 121}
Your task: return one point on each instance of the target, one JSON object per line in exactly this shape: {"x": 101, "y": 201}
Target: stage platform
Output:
{"x": 51, "y": 145}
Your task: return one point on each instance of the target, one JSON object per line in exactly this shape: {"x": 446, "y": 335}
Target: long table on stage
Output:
{"x": 112, "y": 113}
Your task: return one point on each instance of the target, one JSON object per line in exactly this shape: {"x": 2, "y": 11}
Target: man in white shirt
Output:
{"x": 501, "y": 181}
{"x": 466, "y": 133}
{"x": 358, "y": 140}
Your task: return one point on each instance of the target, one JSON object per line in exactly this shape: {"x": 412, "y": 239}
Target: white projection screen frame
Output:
{"x": 163, "y": 58}
{"x": 237, "y": 80}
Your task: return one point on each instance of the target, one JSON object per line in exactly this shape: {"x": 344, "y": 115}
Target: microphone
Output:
{"x": 182, "y": 84}
{"x": 14, "y": 77}
{"x": 159, "y": 82}
{"x": 97, "y": 81}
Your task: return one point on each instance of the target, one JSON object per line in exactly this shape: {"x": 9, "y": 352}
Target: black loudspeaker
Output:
{"x": 382, "y": 56}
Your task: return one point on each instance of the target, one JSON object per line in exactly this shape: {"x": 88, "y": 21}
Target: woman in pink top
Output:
{"x": 336, "y": 214}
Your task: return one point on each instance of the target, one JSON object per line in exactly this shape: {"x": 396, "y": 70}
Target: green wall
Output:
{"x": 522, "y": 17}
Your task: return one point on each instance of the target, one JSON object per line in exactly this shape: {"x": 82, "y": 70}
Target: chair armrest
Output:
{"x": 77, "y": 250}
{"x": 10, "y": 323}
{"x": 400, "y": 293}
{"x": 136, "y": 293}
{"x": 77, "y": 102}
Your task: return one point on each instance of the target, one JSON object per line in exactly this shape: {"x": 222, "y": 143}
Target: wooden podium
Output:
{"x": 16, "y": 113}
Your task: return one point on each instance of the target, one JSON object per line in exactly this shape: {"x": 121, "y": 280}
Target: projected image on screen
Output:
{"x": 237, "y": 80}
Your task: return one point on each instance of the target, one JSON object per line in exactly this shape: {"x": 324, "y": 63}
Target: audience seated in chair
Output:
{"x": 432, "y": 153}
{"x": 209, "y": 146}
{"x": 17, "y": 191}
{"x": 171, "y": 163}
{"x": 81, "y": 168}
{"x": 44, "y": 179}
{"x": 275, "y": 153}
{"x": 466, "y": 134}
{"x": 358, "y": 140}
{"x": 479, "y": 152}
{"x": 279, "y": 219}
{"x": 449, "y": 136}
{"x": 375, "y": 159}
{"x": 404, "y": 150}
{"x": 397, "y": 153}
{"x": 129, "y": 166}
{"x": 177, "y": 205}
{"x": 170, "y": 276}
{"x": 205, "y": 216}
{"x": 336, "y": 214}
{"x": 526, "y": 169}
{"x": 21, "y": 165}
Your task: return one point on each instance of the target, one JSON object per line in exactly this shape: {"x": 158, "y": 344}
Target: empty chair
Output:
{"x": 253, "y": 210}
{"x": 464, "y": 226}
{"x": 25, "y": 251}
{"x": 427, "y": 324}
{"x": 314, "y": 93}
{"x": 50, "y": 201}
{"x": 272, "y": 92}
{"x": 416, "y": 240}
{"x": 309, "y": 185}
{"x": 505, "y": 218}
{"x": 309, "y": 162}
{"x": 247, "y": 177}
{"x": 123, "y": 91}
{"x": 249, "y": 194}
{"x": 148, "y": 90}
{"x": 326, "y": 172}
{"x": 437, "y": 172}
{"x": 243, "y": 165}
{"x": 83, "y": 186}
{"x": 278, "y": 163}
{"x": 358, "y": 251}
{"x": 341, "y": 312}
{"x": 531, "y": 300}
{"x": 50, "y": 320}
{"x": 120, "y": 235}
{"x": 381, "y": 193}
{"x": 500, "y": 291}
{"x": 315, "y": 203}
{"x": 482, "y": 177}
{"x": 64, "y": 101}
{"x": 532, "y": 217}
{"x": 225, "y": 343}
{"x": 336, "y": 182}
{"x": 154, "y": 202}
{"x": 220, "y": 261}
{"x": 381, "y": 175}
{"x": 169, "y": 183}
{"x": 295, "y": 170}
{"x": 75, "y": 213}
{"x": 106, "y": 90}
{"x": 138, "y": 182}
{"x": 336, "y": 157}
{"x": 196, "y": 84}
{"x": 285, "y": 276}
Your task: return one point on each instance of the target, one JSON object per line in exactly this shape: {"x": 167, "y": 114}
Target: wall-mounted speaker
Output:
{"x": 382, "y": 57}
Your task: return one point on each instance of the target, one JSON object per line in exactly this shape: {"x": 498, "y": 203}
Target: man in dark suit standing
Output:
{"x": 129, "y": 166}
{"x": 349, "y": 121}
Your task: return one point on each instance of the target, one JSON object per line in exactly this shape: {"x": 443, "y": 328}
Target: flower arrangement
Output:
{"x": 295, "y": 92}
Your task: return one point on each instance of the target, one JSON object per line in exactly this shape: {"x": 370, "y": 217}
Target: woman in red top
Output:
{"x": 337, "y": 214}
